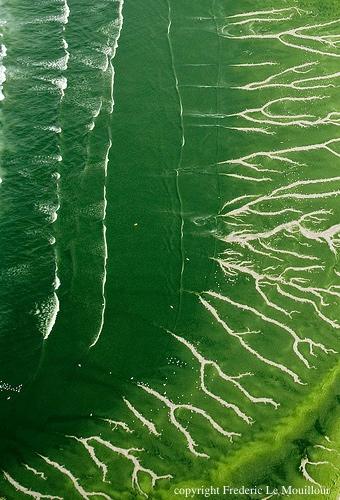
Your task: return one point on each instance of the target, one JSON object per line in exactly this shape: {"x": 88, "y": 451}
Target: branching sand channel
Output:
{"x": 278, "y": 235}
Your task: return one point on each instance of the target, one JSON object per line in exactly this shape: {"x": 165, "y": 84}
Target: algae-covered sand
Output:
{"x": 169, "y": 267}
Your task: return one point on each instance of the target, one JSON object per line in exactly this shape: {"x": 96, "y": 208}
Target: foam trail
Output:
{"x": 102, "y": 321}
{"x": 179, "y": 165}
{"x": 112, "y": 53}
{"x": 175, "y": 72}
{"x": 111, "y": 68}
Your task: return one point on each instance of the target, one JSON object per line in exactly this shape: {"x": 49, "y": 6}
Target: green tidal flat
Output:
{"x": 169, "y": 249}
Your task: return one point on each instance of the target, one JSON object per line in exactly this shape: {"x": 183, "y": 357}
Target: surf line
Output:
{"x": 61, "y": 84}
{"x": 106, "y": 162}
{"x": 56, "y": 284}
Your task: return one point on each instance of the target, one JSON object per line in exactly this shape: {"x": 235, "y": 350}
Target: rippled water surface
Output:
{"x": 169, "y": 271}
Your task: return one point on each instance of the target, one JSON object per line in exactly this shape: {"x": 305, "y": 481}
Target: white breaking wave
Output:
{"x": 66, "y": 12}
{"x": 67, "y": 54}
{"x": 59, "y": 18}
{"x": 60, "y": 63}
{"x": 49, "y": 310}
{"x": 55, "y": 300}
{"x": 60, "y": 83}
{"x": 52, "y": 128}
{"x": 3, "y": 52}
{"x": 54, "y": 306}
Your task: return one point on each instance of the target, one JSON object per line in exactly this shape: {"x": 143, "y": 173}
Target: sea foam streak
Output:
{"x": 111, "y": 54}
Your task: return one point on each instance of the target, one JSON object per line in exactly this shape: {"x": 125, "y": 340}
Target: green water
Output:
{"x": 169, "y": 249}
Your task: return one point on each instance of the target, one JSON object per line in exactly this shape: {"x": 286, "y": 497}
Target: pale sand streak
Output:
{"x": 35, "y": 472}
{"x": 173, "y": 407}
{"x": 233, "y": 379}
{"x": 126, "y": 453}
{"x": 77, "y": 486}
{"x": 150, "y": 425}
{"x": 297, "y": 340}
{"x": 296, "y": 33}
{"x": 27, "y": 491}
{"x": 245, "y": 345}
